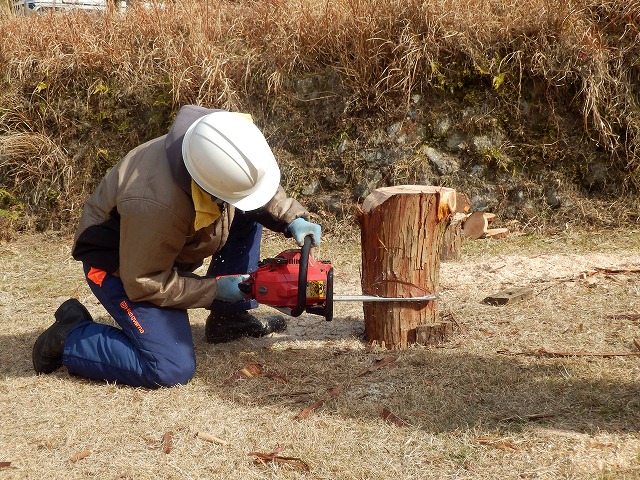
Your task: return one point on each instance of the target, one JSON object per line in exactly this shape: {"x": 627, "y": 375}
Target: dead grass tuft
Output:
{"x": 40, "y": 172}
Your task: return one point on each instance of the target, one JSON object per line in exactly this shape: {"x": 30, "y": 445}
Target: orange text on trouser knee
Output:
{"x": 134, "y": 320}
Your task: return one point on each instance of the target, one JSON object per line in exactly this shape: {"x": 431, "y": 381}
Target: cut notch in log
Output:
{"x": 402, "y": 230}
{"x": 452, "y": 241}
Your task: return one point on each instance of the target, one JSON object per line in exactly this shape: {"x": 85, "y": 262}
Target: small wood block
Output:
{"x": 496, "y": 233}
{"x": 489, "y": 216}
{"x": 509, "y": 296}
{"x": 475, "y": 226}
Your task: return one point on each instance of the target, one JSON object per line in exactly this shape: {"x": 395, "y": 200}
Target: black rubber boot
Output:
{"x": 222, "y": 328}
{"x": 49, "y": 347}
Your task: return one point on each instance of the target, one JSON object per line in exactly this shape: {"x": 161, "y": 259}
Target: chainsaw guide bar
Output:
{"x": 373, "y": 298}
{"x": 293, "y": 283}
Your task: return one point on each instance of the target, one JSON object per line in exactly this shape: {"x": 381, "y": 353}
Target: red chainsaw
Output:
{"x": 294, "y": 282}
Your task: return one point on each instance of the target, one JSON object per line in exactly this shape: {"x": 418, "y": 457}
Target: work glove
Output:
{"x": 300, "y": 228}
{"x": 228, "y": 289}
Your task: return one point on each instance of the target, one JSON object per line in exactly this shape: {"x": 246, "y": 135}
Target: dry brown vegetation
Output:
{"x": 78, "y": 90}
{"x": 489, "y": 404}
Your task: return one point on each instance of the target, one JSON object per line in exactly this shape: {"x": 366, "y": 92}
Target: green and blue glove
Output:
{"x": 301, "y": 228}
{"x": 228, "y": 289}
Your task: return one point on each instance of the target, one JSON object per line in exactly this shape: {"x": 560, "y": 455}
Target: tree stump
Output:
{"x": 402, "y": 229}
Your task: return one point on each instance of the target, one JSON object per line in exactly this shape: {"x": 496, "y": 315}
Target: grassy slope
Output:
{"x": 79, "y": 90}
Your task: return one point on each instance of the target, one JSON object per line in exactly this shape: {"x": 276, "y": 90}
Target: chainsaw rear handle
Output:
{"x": 302, "y": 277}
{"x": 246, "y": 287}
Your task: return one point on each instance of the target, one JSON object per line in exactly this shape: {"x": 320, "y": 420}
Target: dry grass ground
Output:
{"x": 465, "y": 403}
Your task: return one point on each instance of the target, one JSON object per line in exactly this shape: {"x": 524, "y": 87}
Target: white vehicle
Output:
{"x": 32, "y": 6}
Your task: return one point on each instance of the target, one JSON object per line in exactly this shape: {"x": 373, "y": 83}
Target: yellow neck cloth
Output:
{"x": 207, "y": 211}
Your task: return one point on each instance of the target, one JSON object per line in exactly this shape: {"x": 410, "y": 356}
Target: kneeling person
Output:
{"x": 205, "y": 189}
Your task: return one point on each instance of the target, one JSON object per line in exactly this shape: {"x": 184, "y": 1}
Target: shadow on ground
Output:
{"x": 15, "y": 354}
{"x": 436, "y": 389}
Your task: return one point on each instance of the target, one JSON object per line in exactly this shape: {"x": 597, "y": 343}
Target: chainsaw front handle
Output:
{"x": 302, "y": 277}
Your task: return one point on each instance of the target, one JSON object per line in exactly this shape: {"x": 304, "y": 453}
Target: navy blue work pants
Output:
{"x": 153, "y": 346}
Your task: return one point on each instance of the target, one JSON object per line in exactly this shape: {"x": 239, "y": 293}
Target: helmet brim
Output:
{"x": 268, "y": 188}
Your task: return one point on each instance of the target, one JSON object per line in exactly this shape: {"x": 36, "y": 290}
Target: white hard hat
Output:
{"x": 227, "y": 155}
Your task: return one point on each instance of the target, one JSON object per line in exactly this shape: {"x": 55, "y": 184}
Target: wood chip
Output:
{"x": 80, "y": 455}
{"x": 624, "y": 316}
{"x": 542, "y": 352}
{"x": 617, "y": 270}
{"x": 379, "y": 364}
{"x": 318, "y": 403}
{"x": 253, "y": 369}
{"x": 528, "y": 418}
{"x": 262, "y": 458}
{"x": 497, "y": 443}
{"x": 167, "y": 442}
{"x": 276, "y": 377}
{"x": 5, "y": 464}
{"x": 210, "y": 438}
{"x": 389, "y": 416}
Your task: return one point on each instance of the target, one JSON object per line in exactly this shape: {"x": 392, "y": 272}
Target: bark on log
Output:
{"x": 452, "y": 240}
{"x": 402, "y": 230}
{"x": 434, "y": 334}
